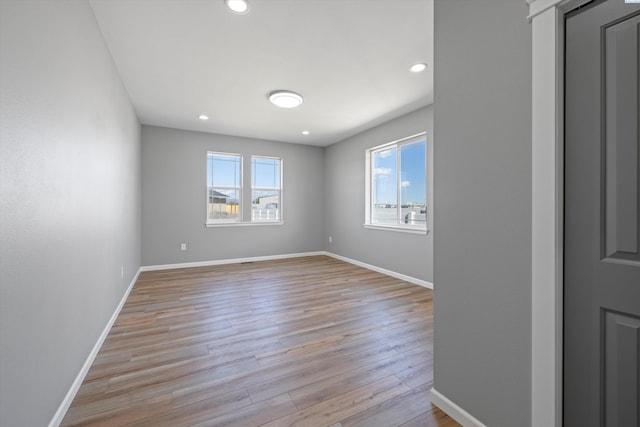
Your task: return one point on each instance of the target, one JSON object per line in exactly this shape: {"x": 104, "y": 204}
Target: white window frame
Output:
{"x": 238, "y": 188}
{"x": 369, "y": 186}
{"x": 279, "y": 190}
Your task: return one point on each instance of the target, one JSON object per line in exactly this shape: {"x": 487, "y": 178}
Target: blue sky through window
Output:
{"x": 412, "y": 174}
{"x": 223, "y": 170}
{"x": 385, "y": 175}
{"x": 266, "y": 173}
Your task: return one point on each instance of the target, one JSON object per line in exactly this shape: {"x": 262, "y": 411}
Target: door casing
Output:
{"x": 547, "y": 20}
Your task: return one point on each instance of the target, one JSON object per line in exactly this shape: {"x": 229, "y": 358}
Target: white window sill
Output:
{"x": 397, "y": 229}
{"x": 241, "y": 224}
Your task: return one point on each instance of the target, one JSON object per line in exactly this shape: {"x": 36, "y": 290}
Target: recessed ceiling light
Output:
{"x": 203, "y": 117}
{"x": 416, "y": 68}
{"x": 305, "y": 132}
{"x": 285, "y": 98}
{"x": 237, "y": 6}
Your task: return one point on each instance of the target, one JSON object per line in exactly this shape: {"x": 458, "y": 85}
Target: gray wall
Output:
{"x": 174, "y": 199}
{"x": 409, "y": 254}
{"x": 482, "y": 258}
{"x": 69, "y": 189}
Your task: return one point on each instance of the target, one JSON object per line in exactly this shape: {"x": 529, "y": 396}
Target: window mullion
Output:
{"x": 399, "y": 186}
{"x": 372, "y": 187}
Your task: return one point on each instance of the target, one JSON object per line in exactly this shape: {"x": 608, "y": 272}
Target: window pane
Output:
{"x": 224, "y": 191}
{"x": 223, "y": 204}
{"x": 413, "y": 192}
{"x": 266, "y": 201}
{"x": 266, "y": 172}
{"x": 384, "y": 186}
{"x": 265, "y": 205}
{"x": 224, "y": 170}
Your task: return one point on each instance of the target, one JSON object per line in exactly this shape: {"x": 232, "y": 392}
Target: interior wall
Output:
{"x": 174, "y": 180}
{"x": 409, "y": 254}
{"x": 70, "y": 186}
{"x": 482, "y": 258}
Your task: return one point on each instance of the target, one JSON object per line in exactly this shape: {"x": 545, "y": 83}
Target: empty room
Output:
{"x": 251, "y": 283}
{"x": 318, "y": 213}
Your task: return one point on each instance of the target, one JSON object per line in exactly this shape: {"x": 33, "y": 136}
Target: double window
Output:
{"x": 396, "y": 185}
{"x": 225, "y": 195}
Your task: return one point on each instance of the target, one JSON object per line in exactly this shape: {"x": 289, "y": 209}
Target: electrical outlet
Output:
{"x": 183, "y": 246}
{"x": 122, "y": 271}
{"x": 330, "y": 239}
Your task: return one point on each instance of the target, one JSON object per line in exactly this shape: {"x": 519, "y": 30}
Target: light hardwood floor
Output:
{"x": 298, "y": 342}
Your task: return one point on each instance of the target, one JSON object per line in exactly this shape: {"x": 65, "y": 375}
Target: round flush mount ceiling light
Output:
{"x": 305, "y": 132}
{"x": 416, "y": 68}
{"x": 203, "y": 117}
{"x": 285, "y": 98}
{"x": 237, "y": 6}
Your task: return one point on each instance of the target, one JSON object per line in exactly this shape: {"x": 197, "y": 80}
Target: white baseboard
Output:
{"x": 227, "y": 261}
{"x": 453, "y": 410}
{"x": 400, "y": 276}
{"x": 75, "y": 386}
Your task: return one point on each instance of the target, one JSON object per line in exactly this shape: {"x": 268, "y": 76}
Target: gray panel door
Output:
{"x": 602, "y": 216}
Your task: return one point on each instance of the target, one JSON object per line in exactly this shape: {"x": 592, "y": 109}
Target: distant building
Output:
{"x": 219, "y": 207}
{"x": 216, "y": 197}
{"x": 266, "y": 202}
{"x": 265, "y": 208}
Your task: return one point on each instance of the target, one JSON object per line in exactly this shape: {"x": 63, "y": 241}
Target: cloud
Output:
{"x": 385, "y": 153}
{"x": 382, "y": 171}
{"x": 406, "y": 184}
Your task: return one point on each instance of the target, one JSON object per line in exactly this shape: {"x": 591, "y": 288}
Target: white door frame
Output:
{"x": 547, "y": 20}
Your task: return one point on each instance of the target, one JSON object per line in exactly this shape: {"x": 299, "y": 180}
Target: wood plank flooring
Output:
{"x": 298, "y": 342}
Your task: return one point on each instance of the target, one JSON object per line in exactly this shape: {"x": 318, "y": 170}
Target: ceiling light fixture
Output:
{"x": 203, "y": 117}
{"x": 416, "y": 68}
{"x": 285, "y": 98}
{"x": 237, "y": 6}
{"x": 305, "y": 132}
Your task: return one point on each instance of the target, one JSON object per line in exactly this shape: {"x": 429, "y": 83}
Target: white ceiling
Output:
{"x": 350, "y": 60}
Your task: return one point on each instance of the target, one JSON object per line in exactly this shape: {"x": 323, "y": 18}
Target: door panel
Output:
{"x": 620, "y": 86}
{"x": 602, "y": 216}
{"x": 621, "y": 374}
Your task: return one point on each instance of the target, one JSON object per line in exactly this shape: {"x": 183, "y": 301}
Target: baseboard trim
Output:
{"x": 227, "y": 261}
{"x": 453, "y": 410}
{"x": 400, "y": 276}
{"x": 397, "y": 275}
{"x": 75, "y": 386}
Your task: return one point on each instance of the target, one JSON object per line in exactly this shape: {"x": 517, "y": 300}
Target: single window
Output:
{"x": 224, "y": 187}
{"x": 266, "y": 189}
{"x": 396, "y": 185}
